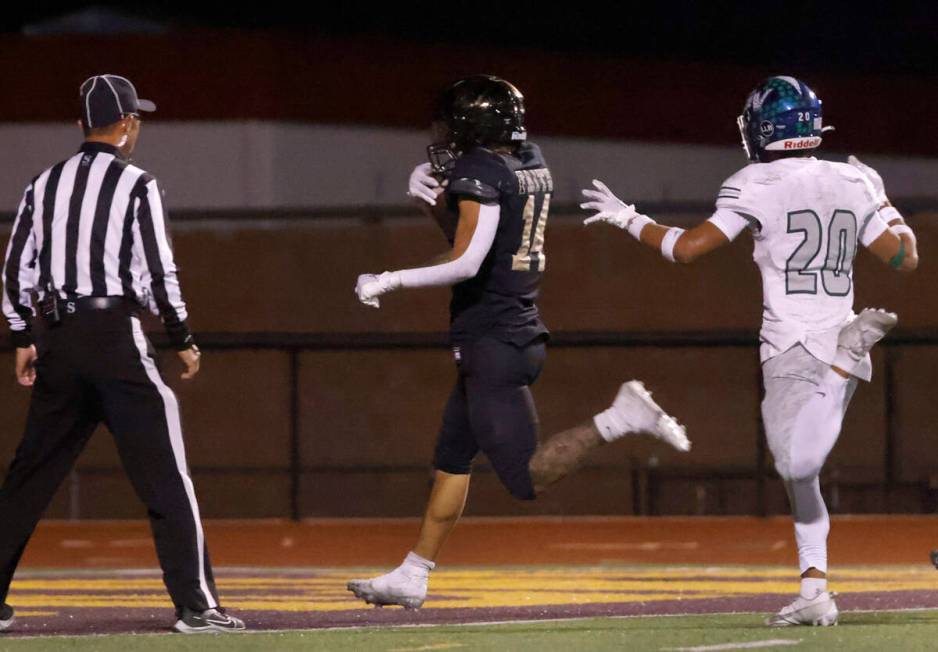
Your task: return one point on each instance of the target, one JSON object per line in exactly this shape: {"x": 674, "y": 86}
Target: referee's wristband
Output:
{"x": 21, "y": 339}
{"x": 179, "y": 335}
{"x": 188, "y": 343}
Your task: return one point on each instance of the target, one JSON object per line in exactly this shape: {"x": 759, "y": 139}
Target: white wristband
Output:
{"x": 668, "y": 242}
{"x": 635, "y": 225}
{"x": 890, "y": 213}
{"x": 899, "y": 229}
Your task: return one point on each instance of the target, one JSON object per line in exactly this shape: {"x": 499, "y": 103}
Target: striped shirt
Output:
{"x": 92, "y": 226}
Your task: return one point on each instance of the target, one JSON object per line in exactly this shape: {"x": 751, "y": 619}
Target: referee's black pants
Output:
{"x": 98, "y": 366}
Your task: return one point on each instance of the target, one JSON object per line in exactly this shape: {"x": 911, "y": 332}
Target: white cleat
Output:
{"x": 820, "y": 611}
{"x": 634, "y": 411}
{"x": 398, "y": 587}
{"x": 858, "y": 337}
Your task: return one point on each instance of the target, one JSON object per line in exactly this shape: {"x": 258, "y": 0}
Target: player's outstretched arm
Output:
{"x": 475, "y": 234}
{"x": 674, "y": 243}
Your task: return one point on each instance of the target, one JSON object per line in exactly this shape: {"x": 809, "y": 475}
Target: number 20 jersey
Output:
{"x": 807, "y": 217}
{"x": 499, "y": 300}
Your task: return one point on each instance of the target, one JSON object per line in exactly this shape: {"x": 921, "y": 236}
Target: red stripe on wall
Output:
{"x": 269, "y": 76}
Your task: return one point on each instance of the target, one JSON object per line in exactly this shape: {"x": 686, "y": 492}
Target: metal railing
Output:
{"x": 644, "y": 479}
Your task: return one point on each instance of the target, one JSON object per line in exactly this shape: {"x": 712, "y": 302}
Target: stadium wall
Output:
{"x": 367, "y": 419}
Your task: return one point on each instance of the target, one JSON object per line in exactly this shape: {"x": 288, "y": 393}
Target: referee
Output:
{"x": 90, "y": 243}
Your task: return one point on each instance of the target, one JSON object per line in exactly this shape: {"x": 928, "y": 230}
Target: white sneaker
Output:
{"x": 821, "y": 610}
{"x": 634, "y": 411}
{"x": 6, "y": 616}
{"x": 401, "y": 586}
{"x": 210, "y": 621}
{"x": 858, "y": 337}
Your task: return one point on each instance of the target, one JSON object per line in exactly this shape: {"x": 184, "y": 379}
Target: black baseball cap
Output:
{"x": 105, "y": 99}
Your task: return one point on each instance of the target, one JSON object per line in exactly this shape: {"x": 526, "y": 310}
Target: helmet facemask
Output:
{"x": 743, "y": 123}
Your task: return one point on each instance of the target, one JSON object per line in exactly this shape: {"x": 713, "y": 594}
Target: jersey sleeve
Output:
{"x": 731, "y": 223}
{"x": 480, "y": 177}
{"x": 737, "y": 206}
{"x": 872, "y": 226}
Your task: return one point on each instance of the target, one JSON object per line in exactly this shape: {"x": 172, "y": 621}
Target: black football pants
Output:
{"x": 98, "y": 366}
{"x": 491, "y": 409}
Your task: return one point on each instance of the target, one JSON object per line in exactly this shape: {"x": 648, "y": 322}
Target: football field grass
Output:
{"x": 903, "y": 630}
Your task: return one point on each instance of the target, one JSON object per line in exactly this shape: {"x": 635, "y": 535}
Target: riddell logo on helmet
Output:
{"x": 802, "y": 143}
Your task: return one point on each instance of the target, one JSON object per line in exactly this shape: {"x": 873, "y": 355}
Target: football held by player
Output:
{"x": 489, "y": 188}
{"x": 806, "y": 217}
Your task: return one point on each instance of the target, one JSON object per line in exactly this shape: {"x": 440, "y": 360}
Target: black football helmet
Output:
{"x": 478, "y": 111}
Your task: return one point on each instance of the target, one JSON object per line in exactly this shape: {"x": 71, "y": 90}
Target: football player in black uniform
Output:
{"x": 490, "y": 189}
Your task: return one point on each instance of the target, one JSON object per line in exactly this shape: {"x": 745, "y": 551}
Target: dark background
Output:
{"x": 796, "y": 35}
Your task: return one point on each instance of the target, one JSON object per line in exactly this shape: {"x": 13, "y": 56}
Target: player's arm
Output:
{"x": 674, "y": 243}
{"x": 474, "y": 236}
{"x": 895, "y": 245}
{"x": 687, "y": 245}
{"x": 885, "y": 232}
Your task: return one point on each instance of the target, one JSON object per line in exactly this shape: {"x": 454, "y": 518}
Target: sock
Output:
{"x": 417, "y": 565}
{"x": 811, "y": 586}
{"x": 610, "y": 425}
{"x": 812, "y": 523}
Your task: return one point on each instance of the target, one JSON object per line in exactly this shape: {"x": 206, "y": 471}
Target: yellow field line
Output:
{"x": 463, "y": 588}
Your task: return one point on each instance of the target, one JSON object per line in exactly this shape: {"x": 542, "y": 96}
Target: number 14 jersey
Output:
{"x": 499, "y": 300}
{"x": 807, "y": 217}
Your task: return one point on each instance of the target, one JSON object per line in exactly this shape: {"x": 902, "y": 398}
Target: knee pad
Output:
{"x": 803, "y": 467}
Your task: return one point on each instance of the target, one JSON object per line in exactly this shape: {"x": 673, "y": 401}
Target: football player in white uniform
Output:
{"x": 806, "y": 217}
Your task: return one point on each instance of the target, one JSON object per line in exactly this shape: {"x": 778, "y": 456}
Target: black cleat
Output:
{"x": 6, "y": 617}
{"x": 934, "y": 558}
{"x": 210, "y": 621}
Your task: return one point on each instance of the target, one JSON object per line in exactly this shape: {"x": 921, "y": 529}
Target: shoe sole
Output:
{"x": 823, "y": 621}
{"x": 876, "y": 318}
{"x": 829, "y": 619}
{"x": 7, "y": 624}
{"x": 667, "y": 428}
{"x": 183, "y": 628}
{"x": 363, "y": 591}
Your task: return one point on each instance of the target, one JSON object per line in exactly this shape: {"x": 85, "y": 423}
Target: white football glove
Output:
{"x": 608, "y": 207}
{"x": 873, "y": 177}
{"x": 423, "y": 185}
{"x": 371, "y": 286}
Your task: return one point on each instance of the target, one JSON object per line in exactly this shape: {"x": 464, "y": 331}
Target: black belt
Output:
{"x": 65, "y": 307}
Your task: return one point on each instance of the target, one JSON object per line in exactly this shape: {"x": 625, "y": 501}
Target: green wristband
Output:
{"x": 896, "y": 261}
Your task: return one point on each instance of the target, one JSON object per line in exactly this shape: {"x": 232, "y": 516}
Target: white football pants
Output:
{"x": 804, "y": 406}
